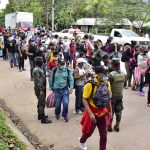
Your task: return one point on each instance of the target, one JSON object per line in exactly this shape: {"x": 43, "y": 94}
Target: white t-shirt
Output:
{"x": 66, "y": 46}
{"x": 81, "y": 80}
{"x": 148, "y": 54}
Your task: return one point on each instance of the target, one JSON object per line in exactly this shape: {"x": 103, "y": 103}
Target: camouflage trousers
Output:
{"x": 117, "y": 107}
{"x": 41, "y": 104}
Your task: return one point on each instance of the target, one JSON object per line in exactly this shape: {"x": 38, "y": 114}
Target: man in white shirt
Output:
{"x": 80, "y": 78}
{"x": 66, "y": 48}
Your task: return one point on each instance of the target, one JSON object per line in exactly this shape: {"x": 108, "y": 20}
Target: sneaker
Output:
{"x": 23, "y": 69}
{"x": 57, "y": 117}
{"x": 129, "y": 85}
{"x": 20, "y": 70}
{"x": 134, "y": 89}
{"x": 141, "y": 94}
{"x": 126, "y": 87}
{"x": 83, "y": 146}
{"x": 148, "y": 105}
{"x": 65, "y": 119}
{"x": 80, "y": 112}
{"x": 143, "y": 91}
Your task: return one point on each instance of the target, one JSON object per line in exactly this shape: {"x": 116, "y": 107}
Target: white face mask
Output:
{"x": 105, "y": 79}
{"x": 32, "y": 43}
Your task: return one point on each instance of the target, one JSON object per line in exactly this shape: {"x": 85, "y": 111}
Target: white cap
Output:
{"x": 81, "y": 60}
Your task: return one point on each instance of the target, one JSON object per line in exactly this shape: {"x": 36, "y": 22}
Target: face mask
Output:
{"x": 32, "y": 43}
{"x": 105, "y": 79}
{"x": 62, "y": 67}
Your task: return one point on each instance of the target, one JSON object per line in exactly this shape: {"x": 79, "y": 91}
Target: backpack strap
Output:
{"x": 68, "y": 71}
{"x": 54, "y": 71}
{"x": 93, "y": 83}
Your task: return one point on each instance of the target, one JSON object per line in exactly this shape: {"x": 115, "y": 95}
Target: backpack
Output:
{"x": 123, "y": 57}
{"x": 82, "y": 47}
{"x": 102, "y": 96}
{"x": 54, "y": 71}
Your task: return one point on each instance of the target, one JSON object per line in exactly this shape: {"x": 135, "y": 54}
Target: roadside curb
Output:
{"x": 21, "y": 130}
{"x": 18, "y": 133}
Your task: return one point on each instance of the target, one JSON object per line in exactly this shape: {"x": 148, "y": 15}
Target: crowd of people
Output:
{"x": 93, "y": 70}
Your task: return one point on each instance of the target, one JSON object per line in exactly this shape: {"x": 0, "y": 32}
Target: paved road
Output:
{"x": 17, "y": 90}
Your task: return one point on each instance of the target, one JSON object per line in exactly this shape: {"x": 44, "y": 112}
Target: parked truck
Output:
{"x": 123, "y": 38}
{"x": 19, "y": 20}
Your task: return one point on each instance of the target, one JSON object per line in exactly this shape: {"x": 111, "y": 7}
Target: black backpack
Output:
{"x": 123, "y": 58}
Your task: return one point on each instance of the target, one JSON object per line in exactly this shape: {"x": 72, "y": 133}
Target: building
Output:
{"x": 89, "y": 24}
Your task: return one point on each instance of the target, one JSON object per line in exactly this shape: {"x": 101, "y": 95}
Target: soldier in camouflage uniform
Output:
{"x": 117, "y": 80}
{"x": 40, "y": 90}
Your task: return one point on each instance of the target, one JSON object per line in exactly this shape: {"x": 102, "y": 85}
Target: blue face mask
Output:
{"x": 62, "y": 67}
{"x": 105, "y": 79}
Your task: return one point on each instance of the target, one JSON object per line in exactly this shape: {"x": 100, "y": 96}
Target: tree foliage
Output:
{"x": 68, "y": 11}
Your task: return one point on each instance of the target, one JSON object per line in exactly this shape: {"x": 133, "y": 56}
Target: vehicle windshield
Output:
{"x": 27, "y": 24}
{"x": 129, "y": 33}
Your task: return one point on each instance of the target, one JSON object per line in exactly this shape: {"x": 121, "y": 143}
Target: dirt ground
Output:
{"x": 17, "y": 91}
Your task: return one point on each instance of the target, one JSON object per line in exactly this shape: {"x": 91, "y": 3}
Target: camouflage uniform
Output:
{"x": 40, "y": 85}
{"x": 117, "y": 80}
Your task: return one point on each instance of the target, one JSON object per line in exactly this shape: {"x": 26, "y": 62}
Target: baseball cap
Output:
{"x": 115, "y": 61}
{"x": 101, "y": 69}
{"x": 61, "y": 61}
{"x": 81, "y": 60}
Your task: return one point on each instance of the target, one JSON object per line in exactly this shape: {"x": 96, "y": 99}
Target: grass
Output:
{"x": 7, "y": 137}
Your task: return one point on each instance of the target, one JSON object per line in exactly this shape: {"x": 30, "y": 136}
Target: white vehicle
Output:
{"x": 69, "y": 33}
{"x": 20, "y": 20}
{"x": 123, "y": 37}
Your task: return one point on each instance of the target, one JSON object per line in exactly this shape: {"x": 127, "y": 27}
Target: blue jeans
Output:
{"x": 12, "y": 59}
{"x": 61, "y": 96}
{"x": 17, "y": 57}
{"x": 32, "y": 66}
{"x": 78, "y": 92}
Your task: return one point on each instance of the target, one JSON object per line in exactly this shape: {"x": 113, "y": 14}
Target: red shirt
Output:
{"x": 52, "y": 64}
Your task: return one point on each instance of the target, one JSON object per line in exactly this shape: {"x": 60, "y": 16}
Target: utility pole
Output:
{"x": 53, "y": 16}
{"x": 47, "y": 17}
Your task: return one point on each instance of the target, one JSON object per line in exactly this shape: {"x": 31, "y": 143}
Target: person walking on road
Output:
{"x": 117, "y": 80}
{"x": 62, "y": 83}
{"x": 40, "y": 90}
{"x": 96, "y": 112}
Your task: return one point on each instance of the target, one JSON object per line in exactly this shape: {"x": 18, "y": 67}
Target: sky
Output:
{"x": 3, "y": 3}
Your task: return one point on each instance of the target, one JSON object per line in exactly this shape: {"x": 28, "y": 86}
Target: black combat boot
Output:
{"x": 116, "y": 127}
{"x": 109, "y": 128}
{"x": 39, "y": 117}
{"x": 46, "y": 121}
